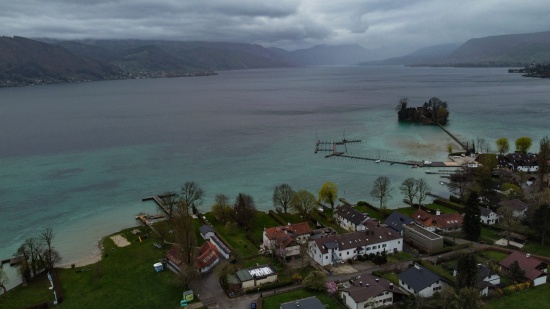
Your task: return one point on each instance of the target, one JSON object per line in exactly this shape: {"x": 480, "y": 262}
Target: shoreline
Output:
{"x": 85, "y": 261}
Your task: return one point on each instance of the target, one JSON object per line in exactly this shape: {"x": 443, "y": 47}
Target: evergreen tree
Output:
{"x": 466, "y": 270}
{"x": 472, "y": 224}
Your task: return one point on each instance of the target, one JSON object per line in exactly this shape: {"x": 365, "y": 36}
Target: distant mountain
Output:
{"x": 326, "y": 55}
{"x": 506, "y": 50}
{"x": 499, "y": 51}
{"x": 423, "y": 55}
{"x": 137, "y": 55}
{"x": 25, "y": 62}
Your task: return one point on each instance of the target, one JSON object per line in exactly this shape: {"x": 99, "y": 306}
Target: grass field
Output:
{"x": 533, "y": 298}
{"x": 443, "y": 209}
{"x": 274, "y": 302}
{"x": 235, "y": 238}
{"x": 124, "y": 278}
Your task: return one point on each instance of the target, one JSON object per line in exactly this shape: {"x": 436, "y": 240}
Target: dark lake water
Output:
{"x": 79, "y": 157}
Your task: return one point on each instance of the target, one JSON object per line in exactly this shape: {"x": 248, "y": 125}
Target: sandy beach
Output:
{"x": 83, "y": 262}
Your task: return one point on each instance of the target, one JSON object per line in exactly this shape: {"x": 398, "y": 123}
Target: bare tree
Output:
{"x": 186, "y": 275}
{"x": 409, "y": 189}
{"x": 3, "y": 280}
{"x": 50, "y": 255}
{"x": 282, "y": 196}
{"x": 382, "y": 190}
{"x": 460, "y": 181}
{"x": 170, "y": 201}
{"x": 191, "y": 195}
{"x": 423, "y": 189}
{"x": 481, "y": 144}
{"x": 543, "y": 159}
{"x": 186, "y": 239}
{"x": 222, "y": 209}
{"x": 507, "y": 219}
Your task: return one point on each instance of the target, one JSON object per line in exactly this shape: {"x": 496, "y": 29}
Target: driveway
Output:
{"x": 211, "y": 294}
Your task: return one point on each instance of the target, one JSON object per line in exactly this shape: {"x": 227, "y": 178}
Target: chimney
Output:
{"x": 391, "y": 286}
{"x": 367, "y": 285}
{"x": 361, "y": 283}
{"x": 376, "y": 279}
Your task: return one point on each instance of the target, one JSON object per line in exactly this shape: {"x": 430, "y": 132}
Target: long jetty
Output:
{"x": 160, "y": 203}
{"x": 454, "y": 137}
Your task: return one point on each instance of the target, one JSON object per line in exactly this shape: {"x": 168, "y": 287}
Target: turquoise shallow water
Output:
{"x": 79, "y": 157}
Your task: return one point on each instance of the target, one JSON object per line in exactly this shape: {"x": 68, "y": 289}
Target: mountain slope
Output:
{"x": 326, "y": 55}
{"x": 502, "y": 50}
{"x": 423, "y": 55}
{"x": 24, "y": 61}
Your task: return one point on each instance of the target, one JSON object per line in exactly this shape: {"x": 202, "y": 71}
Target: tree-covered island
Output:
{"x": 434, "y": 111}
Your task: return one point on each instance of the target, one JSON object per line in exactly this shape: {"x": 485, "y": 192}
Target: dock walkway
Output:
{"x": 160, "y": 203}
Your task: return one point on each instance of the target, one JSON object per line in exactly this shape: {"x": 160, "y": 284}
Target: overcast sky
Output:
{"x": 289, "y": 24}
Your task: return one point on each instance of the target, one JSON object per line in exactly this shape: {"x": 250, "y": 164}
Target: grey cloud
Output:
{"x": 400, "y": 24}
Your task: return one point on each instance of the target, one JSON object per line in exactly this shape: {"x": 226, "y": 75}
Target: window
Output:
{"x": 399, "y": 242}
{"x": 384, "y": 246}
{"x": 326, "y": 257}
{"x": 340, "y": 254}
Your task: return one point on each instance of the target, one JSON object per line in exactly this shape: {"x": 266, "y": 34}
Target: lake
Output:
{"x": 80, "y": 157}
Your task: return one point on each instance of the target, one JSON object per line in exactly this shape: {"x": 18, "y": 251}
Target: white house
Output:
{"x": 350, "y": 218}
{"x": 421, "y": 281}
{"x": 487, "y": 216}
{"x": 367, "y": 291}
{"x": 375, "y": 239}
{"x": 486, "y": 278}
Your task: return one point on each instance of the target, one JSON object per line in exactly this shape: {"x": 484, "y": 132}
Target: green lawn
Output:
{"x": 495, "y": 256}
{"x": 274, "y": 302}
{"x": 291, "y": 218}
{"x": 443, "y": 209}
{"x": 263, "y": 220}
{"x": 316, "y": 217}
{"x": 371, "y": 212}
{"x": 235, "y": 238}
{"x": 124, "y": 278}
{"x": 533, "y": 298}
{"x": 489, "y": 235}
{"x": 534, "y": 247}
{"x": 408, "y": 211}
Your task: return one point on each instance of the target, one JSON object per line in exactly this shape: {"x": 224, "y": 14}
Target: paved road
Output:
{"x": 211, "y": 294}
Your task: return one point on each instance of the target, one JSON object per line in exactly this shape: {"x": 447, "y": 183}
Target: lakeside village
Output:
{"x": 484, "y": 247}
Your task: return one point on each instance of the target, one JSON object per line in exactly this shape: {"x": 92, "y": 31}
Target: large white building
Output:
{"x": 375, "y": 239}
{"x": 350, "y": 218}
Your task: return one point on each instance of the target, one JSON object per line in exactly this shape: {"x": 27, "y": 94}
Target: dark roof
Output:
{"x": 515, "y": 204}
{"x": 367, "y": 286}
{"x": 304, "y": 303}
{"x": 418, "y": 277}
{"x": 485, "y": 211}
{"x": 206, "y": 229}
{"x": 374, "y": 234}
{"x": 484, "y": 272}
{"x": 351, "y": 214}
{"x": 396, "y": 221}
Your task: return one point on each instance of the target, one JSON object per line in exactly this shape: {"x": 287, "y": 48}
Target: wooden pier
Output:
{"x": 331, "y": 146}
{"x": 160, "y": 203}
{"x": 14, "y": 261}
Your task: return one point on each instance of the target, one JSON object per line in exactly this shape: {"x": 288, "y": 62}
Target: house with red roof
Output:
{"x": 535, "y": 269}
{"x": 438, "y": 222}
{"x": 208, "y": 257}
{"x": 286, "y": 239}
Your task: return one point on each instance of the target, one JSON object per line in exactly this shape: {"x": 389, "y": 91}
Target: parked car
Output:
{"x": 253, "y": 306}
